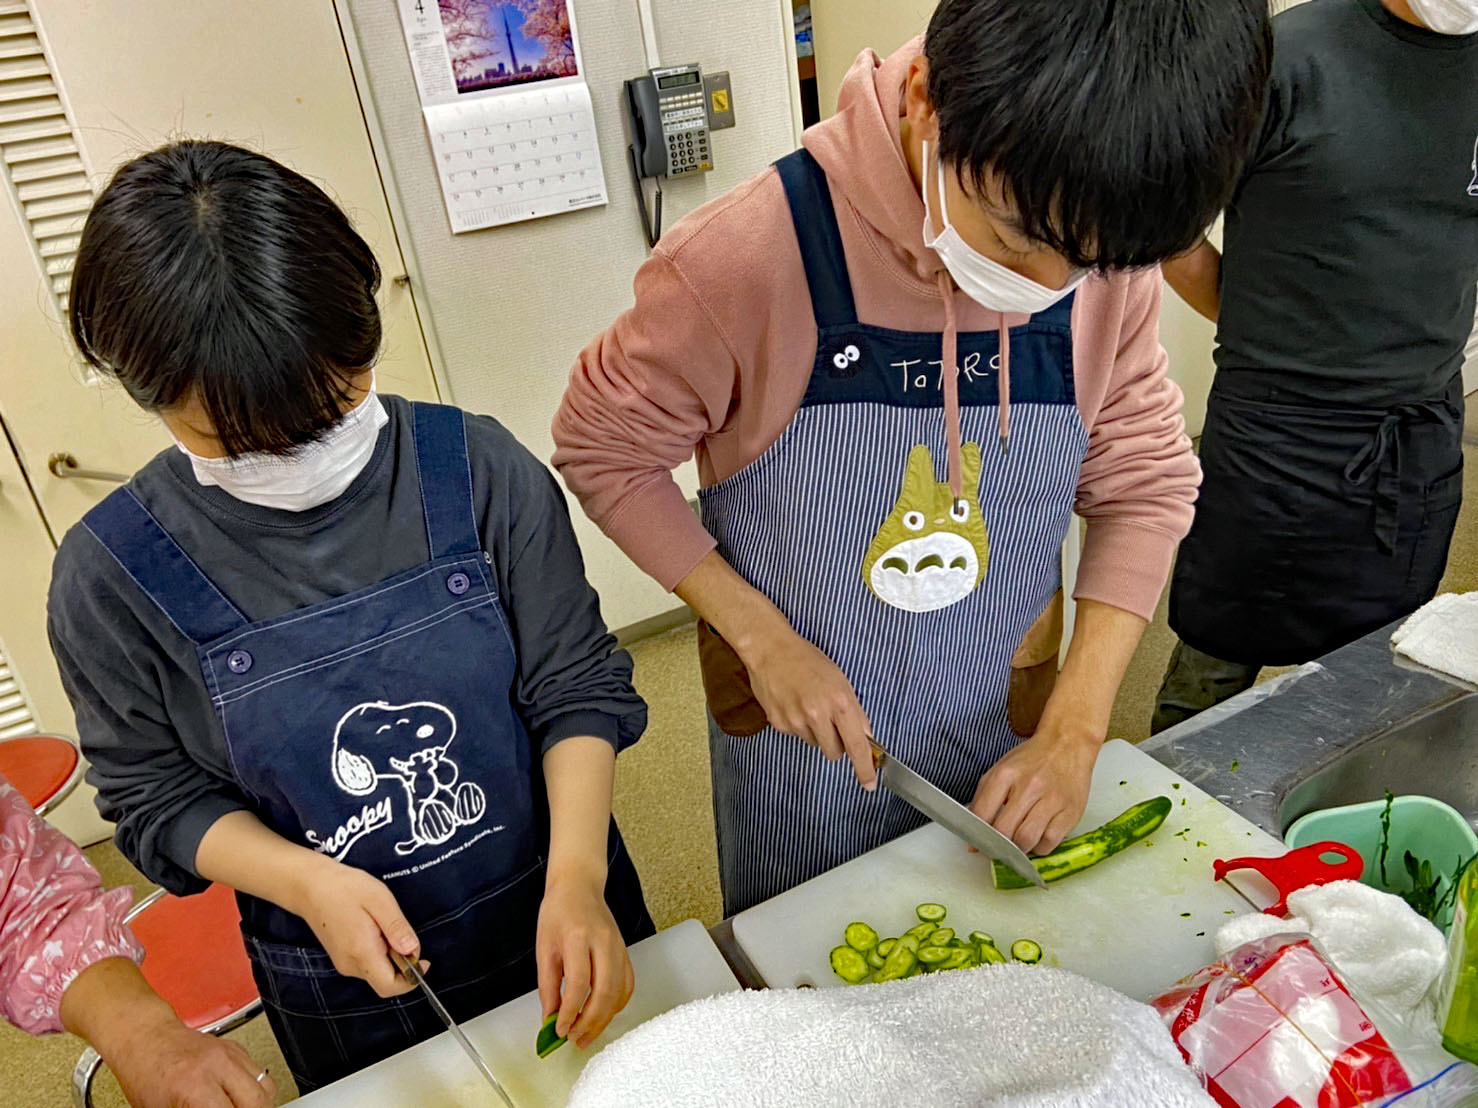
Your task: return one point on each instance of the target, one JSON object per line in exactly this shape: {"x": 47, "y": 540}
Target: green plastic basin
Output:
{"x": 1431, "y": 830}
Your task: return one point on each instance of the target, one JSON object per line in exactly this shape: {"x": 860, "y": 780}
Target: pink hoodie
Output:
{"x": 716, "y": 354}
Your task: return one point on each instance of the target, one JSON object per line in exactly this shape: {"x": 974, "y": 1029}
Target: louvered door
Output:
{"x": 42, "y": 162}
{"x": 85, "y": 84}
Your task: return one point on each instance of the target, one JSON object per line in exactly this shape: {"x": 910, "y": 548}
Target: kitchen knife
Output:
{"x": 413, "y": 973}
{"x": 953, "y": 816}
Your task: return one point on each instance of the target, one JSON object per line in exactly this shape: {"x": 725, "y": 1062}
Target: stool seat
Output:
{"x": 43, "y": 768}
{"x": 194, "y": 957}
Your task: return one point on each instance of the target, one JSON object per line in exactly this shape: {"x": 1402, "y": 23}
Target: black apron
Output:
{"x": 1315, "y": 525}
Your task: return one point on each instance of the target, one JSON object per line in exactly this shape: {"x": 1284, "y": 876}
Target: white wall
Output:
{"x": 512, "y": 306}
{"x": 844, "y": 28}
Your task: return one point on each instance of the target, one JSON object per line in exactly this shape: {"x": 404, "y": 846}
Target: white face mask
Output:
{"x": 1448, "y": 17}
{"x": 983, "y": 280}
{"x": 313, "y": 474}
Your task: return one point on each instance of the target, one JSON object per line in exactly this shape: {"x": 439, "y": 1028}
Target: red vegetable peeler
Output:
{"x": 1298, "y": 869}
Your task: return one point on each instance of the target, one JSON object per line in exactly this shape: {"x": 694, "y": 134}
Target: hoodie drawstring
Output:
{"x": 950, "y": 371}
{"x": 951, "y": 375}
{"x": 1003, "y": 389}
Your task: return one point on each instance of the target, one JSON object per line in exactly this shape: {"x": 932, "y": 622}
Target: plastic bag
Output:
{"x": 1273, "y": 1026}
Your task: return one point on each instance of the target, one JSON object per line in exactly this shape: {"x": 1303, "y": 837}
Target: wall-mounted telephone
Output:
{"x": 667, "y": 120}
{"x": 669, "y": 117}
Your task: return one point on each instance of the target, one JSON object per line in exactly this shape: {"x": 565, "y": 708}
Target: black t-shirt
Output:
{"x": 1351, "y": 247}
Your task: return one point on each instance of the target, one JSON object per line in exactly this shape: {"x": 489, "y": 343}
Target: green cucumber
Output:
{"x": 931, "y": 913}
{"x": 942, "y": 937}
{"x": 850, "y": 966}
{"x": 978, "y": 937}
{"x": 1088, "y": 849}
{"x": 898, "y": 964}
{"x": 548, "y": 1040}
{"x": 860, "y": 937}
{"x": 875, "y": 958}
{"x": 922, "y": 931}
{"x": 989, "y": 954}
{"x": 932, "y": 955}
{"x": 1025, "y": 950}
{"x": 885, "y": 947}
{"x": 958, "y": 959}
{"x": 911, "y": 943}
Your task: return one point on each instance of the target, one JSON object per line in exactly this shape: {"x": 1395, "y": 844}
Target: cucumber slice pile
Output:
{"x": 926, "y": 947}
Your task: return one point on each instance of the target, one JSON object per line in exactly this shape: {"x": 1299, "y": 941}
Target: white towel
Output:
{"x": 1443, "y": 635}
{"x": 1017, "y": 1036}
{"x": 1387, "y": 953}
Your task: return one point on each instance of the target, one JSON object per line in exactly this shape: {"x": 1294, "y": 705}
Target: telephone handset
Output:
{"x": 667, "y": 119}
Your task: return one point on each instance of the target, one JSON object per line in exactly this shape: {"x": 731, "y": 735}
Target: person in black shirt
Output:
{"x": 336, "y": 651}
{"x": 1332, "y": 449}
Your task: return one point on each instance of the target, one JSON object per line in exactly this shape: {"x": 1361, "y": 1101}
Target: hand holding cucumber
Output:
{"x": 580, "y": 947}
{"x": 1036, "y": 794}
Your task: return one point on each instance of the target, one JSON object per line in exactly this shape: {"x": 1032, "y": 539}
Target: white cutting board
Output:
{"x": 1137, "y": 922}
{"x": 672, "y": 968}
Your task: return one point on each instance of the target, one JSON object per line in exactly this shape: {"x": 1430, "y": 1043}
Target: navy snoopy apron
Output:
{"x": 845, "y": 524}
{"x": 377, "y": 728}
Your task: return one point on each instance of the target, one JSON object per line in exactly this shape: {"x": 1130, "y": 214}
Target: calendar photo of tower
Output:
{"x": 497, "y": 43}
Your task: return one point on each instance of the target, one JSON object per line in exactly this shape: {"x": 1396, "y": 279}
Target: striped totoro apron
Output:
{"x": 920, "y": 598}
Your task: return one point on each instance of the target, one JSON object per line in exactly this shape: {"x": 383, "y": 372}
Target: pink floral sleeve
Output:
{"x": 55, "y": 918}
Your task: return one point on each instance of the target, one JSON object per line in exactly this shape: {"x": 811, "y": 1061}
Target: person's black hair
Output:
{"x": 1118, "y": 128}
{"x": 211, "y": 269}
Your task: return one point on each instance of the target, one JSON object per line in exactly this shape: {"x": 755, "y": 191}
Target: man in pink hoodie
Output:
{"x": 991, "y": 200}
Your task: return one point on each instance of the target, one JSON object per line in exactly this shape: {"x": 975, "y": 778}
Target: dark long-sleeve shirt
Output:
{"x": 145, "y": 719}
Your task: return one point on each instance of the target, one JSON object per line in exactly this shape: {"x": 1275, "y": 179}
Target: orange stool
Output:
{"x": 195, "y": 960}
{"x": 44, "y": 768}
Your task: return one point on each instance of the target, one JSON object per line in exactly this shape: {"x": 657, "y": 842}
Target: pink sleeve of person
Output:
{"x": 56, "y": 919}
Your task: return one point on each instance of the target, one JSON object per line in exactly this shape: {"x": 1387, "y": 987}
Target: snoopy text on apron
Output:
{"x": 920, "y": 599}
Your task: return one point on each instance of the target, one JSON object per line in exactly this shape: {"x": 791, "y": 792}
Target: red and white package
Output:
{"x": 1272, "y": 1026}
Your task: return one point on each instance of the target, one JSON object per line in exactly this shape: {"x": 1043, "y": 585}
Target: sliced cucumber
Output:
{"x": 1088, "y": 849}
{"x": 933, "y": 955}
{"x": 898, "y": 964}
{"x": 860, "y": 937}
{"x": 908, "y": 942}
{"x": 960, "y": 944}
{"x": 875, "y": 958}
{"x": 1025, "y": 950}
{"x": 931, "y": 913}
{"x": 989, "y": 954}
{"x": 548, "y": 1040}
{"x": 958, "y": 959}
{"x": 979, "y": 937}
{"x": 922, "y": 931}
{"x": 850, "y": 966}
{"x": 942, "y": 937}
{"x": 885, "y": 947}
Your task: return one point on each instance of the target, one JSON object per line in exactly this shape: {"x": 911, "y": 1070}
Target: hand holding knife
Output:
{"x": 953, "y": 816}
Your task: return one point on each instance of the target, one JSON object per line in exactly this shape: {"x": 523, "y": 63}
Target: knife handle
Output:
{"x": 879, "y": 755}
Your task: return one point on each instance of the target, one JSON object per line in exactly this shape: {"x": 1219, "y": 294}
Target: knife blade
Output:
{"x": 950, "y": 814}
{"x": 412, "y": 972}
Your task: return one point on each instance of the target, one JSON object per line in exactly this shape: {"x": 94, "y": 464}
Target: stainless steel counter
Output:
{"x": 1254, "y": 750}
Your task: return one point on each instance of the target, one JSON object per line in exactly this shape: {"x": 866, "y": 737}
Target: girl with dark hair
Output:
{"x": 337, "y": 650}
